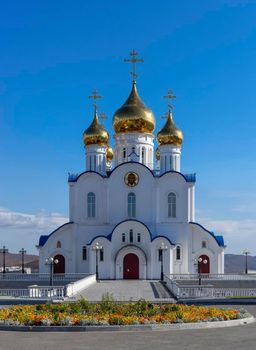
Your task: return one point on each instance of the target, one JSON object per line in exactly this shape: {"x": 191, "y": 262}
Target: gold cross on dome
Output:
{"x": 134, "y": 59}
{"x": 103, "y": 116}
{"x": 170, "y": 96}
{"x": 95, "y": 96}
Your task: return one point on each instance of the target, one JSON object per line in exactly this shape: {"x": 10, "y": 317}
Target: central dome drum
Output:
{"x": 134, "y": 116}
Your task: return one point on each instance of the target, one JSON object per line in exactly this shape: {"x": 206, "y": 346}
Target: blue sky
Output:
{"x": 53, "y": 53}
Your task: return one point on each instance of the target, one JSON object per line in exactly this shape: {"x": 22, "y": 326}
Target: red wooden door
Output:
{"x": 60, "y": 266}
{"x": 204, "y": 265}
{"x": 131, "y": 266}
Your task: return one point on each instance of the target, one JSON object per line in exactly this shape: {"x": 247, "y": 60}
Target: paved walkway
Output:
{"x": 125, "y": 290}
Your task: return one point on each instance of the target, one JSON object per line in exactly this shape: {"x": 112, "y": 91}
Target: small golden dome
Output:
{"x": 133, "y": 115}
{"x": 96, "y": 133}
{"x": 157, "y": 153}
{"x": 170, "y": 134}
{"x": 109, "y": 154}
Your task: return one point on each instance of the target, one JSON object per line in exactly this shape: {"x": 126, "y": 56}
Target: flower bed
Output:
{"x": 110, "y": 313}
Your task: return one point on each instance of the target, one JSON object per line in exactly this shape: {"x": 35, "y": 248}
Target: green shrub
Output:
{"x": 107, "y": 302}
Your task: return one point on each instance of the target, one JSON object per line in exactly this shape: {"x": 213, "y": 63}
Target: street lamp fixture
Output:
{"x": 246, "y": 252}
{"x": 200, "y": 262}
{"x": 97, "y": 247}
{"x": 162, "y": 248}
{"x": 51, "y": 261}
{"x": 4, "y": 251}
{"x": 22, "y": 252}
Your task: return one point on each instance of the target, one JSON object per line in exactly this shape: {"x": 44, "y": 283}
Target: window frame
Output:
{"x": 131, "y": 205}
{"x": 91, "y": 205}
{"x": 172, "y": 205}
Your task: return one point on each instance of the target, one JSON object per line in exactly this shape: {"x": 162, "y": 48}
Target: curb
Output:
{"x": 136, "y": 328}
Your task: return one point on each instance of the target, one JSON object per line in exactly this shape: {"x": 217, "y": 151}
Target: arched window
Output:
{"x": 203, "y": 244}
{"x": 94, "y": 162}
{"x": 91, "y": 205}
{"x": 131, "y": 236}
{"x": 58, "y": 245}
{"x": 143, "y": 155}
{"x": 124, "y": 153}
{"x": 102, "y": 255}
{"x": 84, "y": 253}
{"x": 172, "y": 205}
{"x": 178, "y": 253}
{"x": 138, "y": 237}
{"x": 123, "y": 237}
{"x": 132, "y": 205}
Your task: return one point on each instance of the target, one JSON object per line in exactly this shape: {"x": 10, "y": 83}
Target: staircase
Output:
{"x": 128, "y": 290}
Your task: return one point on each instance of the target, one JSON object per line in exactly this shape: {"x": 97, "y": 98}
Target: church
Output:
{"x": 132, "y": 211}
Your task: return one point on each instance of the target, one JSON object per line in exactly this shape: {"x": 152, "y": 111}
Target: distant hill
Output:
{"x": 236, "y": 263}
{"x": 14, "y": 259}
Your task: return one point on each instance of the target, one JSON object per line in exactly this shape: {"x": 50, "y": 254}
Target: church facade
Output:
{"x": 131, "y": 216}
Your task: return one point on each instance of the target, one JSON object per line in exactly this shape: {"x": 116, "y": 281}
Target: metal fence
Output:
{"x": 66, "y": 277}
{"x": 206, "y": 291}
{"x": 214, "y": 276}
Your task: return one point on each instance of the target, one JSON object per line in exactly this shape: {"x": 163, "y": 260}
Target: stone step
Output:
{"x": 128, "y": 290}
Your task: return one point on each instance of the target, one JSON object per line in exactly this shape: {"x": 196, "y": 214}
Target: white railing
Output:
{"x": 214, "y": 276}
{"x": 15, "y": 293}
{"x": 206, "y": 291}
{"x": 35, "y": 292}
{"x": 46, "y": 292}
{"x": 42, "y": 276}
{"x": 234, "y": 292}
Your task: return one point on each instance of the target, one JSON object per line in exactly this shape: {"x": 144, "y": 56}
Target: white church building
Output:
{"x": 131, "y": 216}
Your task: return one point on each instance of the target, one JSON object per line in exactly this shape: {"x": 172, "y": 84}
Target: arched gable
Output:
{"x": 44, "y": 238}
{"x": 219, "y": 239}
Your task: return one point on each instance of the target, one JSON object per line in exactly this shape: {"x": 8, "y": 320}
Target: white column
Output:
{"x": 170, "y": 158}
{"x": 96, "y": 158}
{"x": 137, "y": 140}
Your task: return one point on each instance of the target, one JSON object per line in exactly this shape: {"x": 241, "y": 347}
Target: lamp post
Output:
{"x": 97, "y": 248}
{"x": 22, "y": 252}
{"x": 51, "y": 261}
{"x": 200, "y": 262}
{"x": 162, "y": 248}
{"x": 246, "y": 252}
{"x": 4, "y": 251}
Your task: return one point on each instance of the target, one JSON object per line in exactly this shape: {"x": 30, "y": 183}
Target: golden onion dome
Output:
{"x": 170, "y": 134}
{"x": 133, "y": 116}
{"x": 96, "y": 133}
{"x": 109, "y": 154}
{"x": 157, "y": 153}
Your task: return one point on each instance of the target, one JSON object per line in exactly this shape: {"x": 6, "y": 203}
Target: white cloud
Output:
{"x": 19, "y": 230}
{"x": 238, "y": 234}
{"x": 40, "y": 222}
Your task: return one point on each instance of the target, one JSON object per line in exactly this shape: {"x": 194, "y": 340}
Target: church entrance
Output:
{"x": 60, "y": 266}
{"x": 204, "y": 265}
{"x": 131, "y": 266}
